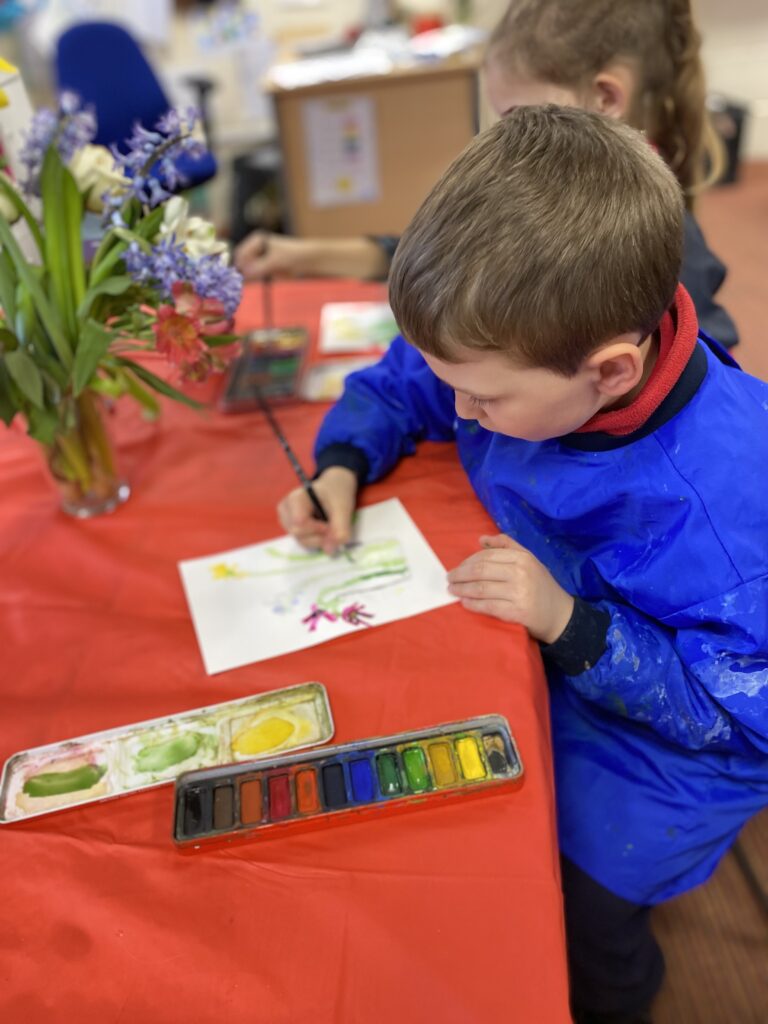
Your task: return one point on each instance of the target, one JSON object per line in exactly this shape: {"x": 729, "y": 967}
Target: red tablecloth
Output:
{"x": 451, "y": 915}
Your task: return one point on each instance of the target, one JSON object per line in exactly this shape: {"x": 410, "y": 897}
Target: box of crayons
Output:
{"x": 344, "y": 782}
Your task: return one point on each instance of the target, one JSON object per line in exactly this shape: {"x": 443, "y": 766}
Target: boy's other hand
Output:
{"x": 505, "y": 580}
{"x": 336, "y": 489}
{"x": 261, "y": 255}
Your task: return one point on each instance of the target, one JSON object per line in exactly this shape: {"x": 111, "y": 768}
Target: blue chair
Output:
{"x": 105, "y": 66}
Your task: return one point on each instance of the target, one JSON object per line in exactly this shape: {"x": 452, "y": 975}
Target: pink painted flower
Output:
{"x": 355, "y": 615}
{"x": 315, "y": 615}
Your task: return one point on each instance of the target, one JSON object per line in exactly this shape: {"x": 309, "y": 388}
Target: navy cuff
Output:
{"x": 345, "y": 455}
{"x": 583, "y": 641}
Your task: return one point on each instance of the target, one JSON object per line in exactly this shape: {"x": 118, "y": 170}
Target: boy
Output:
{"x": 625, "y": 465}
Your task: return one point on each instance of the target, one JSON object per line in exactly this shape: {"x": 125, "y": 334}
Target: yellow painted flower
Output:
{"x": 225, "y": 571}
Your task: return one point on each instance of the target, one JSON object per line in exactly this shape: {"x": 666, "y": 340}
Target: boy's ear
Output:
{"x": 611, "y": 91}
{"x": 616, "y": 369}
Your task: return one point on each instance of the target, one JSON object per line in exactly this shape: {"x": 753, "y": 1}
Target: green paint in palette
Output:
{"x": 159, "y": 756}
{"x": 57, "y": 783}
{"x": 416, "y": 769}
{"x": 389, "y": 776}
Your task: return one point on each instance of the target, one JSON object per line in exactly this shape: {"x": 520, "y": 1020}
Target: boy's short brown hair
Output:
{"x": 553, "y": 232}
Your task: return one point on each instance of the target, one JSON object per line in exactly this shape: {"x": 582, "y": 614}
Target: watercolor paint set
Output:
{"x": 344, "y": 782}
{"x": 135, "y": 757}
{"x": 271, "y": 364}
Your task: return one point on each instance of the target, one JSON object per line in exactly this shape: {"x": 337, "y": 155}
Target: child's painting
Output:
{"x": 267, "y": 599}
{"x": 356, "y": 327}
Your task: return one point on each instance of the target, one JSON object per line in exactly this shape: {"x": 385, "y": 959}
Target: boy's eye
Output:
{"x": 479, "y": 403}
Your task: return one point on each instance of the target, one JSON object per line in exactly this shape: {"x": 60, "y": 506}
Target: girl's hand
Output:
{"x": 505, "y": 580}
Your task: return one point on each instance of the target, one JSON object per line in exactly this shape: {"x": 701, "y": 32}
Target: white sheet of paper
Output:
{"x": 342, "y": 150}
{"x": 330, "y": 68}
{"x": 257, "y": 602}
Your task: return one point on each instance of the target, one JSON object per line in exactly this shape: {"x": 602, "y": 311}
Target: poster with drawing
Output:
{"x": 272, "y": 598}
{"x": 341, "y": 146}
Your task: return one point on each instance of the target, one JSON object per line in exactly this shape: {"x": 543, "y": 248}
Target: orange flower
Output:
{"x": 178, "y": 336}
{"x": 181, "y": 329}
{"x": 209, "y": 314}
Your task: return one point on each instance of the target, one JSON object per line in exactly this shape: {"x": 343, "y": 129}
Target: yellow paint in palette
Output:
{"x": 471, "y": 762}
{"x": 443, "y": 767}
{"x": 271, "y": 731}
{"x": 268, "y": 734}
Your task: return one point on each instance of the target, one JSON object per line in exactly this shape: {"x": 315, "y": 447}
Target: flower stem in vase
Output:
{"x": 82, "y": 462}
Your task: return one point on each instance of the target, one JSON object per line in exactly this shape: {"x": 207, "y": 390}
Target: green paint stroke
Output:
{"x": 361, "y": 555}
{"x": 326, "y": 600}
{"x": 374, "y": 546}
{"x": 56, "y": 783}
{"x": 159, "y": 756}
{"x": 306, "y": 556}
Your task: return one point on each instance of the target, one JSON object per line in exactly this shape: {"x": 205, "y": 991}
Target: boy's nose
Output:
{"x": 463, "y": 408}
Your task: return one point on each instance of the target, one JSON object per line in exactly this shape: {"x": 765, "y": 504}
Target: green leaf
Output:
{"x": 15, "y": 198}
{"x": 31, "y": 335}
{"x": 91, "y": 349}
{"x": 26, "y": 375}
{"x": 130, "y": 236}
{"x": 8, "y": 281}
{"x": 74, "y": 209}
{"x": 26, "y": 322}
{"x": 8, "y": 407}
{"x": 112, "y": 382}
{"x": 149, "y": 226}
{"x": 108, "y": 239}
{"x": 21, "y": 325}
{"x": 52, "y": 367}
{"x": 111, "y": 286}
{"x": 131, "y": 211}
{"x": 157, "y": 384}
{"x": 105, "y": 265}
{"x": 43, "y": 425}
{"x": 142, "y": 396}
{"x": 46, "y": 312}
{"x": 52, "y": 389}
{"x": 8, "y": 339}
{"x": 116, "y": 240}
{"x": 62, "y": 215}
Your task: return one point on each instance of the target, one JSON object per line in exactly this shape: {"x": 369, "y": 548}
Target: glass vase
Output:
{"x": 81, "y": 460}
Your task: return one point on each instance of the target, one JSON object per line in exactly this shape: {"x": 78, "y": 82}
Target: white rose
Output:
{"x": 198, "y": 236}
{"x": 95, "y": 173}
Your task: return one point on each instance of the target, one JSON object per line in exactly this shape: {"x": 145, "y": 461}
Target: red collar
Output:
{"x": 676, "y": 345}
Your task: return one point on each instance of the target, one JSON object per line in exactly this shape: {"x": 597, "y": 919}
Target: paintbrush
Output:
{"x": 317, "y": 509}
{"x": 266, "y": 304}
